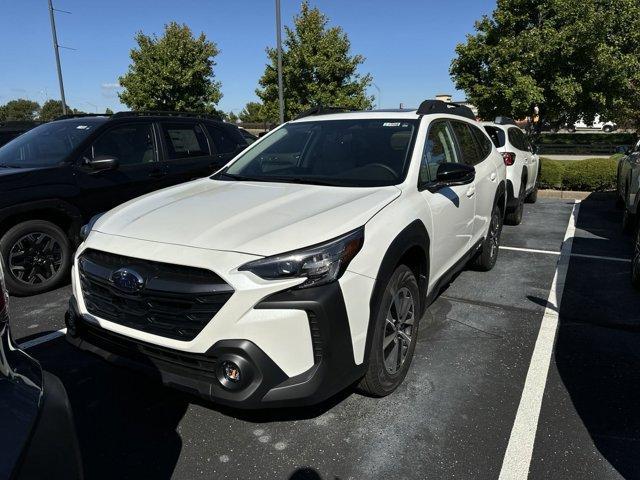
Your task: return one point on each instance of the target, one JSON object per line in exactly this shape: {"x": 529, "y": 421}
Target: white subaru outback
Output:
{"x": 300, "y": 268}
{"x": 523, "y": 166}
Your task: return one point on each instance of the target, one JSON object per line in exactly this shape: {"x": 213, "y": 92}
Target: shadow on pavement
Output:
{"x": 127, "y": 424}
{"x": 598, "y": 344}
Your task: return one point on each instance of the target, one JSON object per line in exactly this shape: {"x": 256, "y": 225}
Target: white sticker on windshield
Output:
{"x": 82, "y": 127}
{"x": 391, "y": 124}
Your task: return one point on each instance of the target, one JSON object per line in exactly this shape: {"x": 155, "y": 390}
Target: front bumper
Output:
{"x": 263, "y": 383}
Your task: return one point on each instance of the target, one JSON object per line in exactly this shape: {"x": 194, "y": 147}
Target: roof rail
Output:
{"x": 166, "y": 113}
{"x": 322, "y": 110}
{"x": 438, "y": 106}
{"x": 504, "y": 121}
{"x": 80, "y": 115}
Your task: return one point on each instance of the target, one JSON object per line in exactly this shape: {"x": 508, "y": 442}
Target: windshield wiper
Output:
{"x": 239, "y": 178}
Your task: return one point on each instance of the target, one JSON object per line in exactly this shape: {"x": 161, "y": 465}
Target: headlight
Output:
{"x": 319, "y": 264}
{"x": 86, "y": 229}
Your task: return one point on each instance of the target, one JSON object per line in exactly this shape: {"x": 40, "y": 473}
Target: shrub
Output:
{"x": 587, "y": 138}
{"x": 593, "y": 175}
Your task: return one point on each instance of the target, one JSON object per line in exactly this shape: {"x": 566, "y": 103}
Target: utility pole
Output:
{"x": 279, "y": 46}
{"x": 57, "y": 53}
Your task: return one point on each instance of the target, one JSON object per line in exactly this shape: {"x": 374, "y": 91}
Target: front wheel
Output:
{"x": 36, "y": 257}
{"x": 395, "y": 324}
{"x": 486, "y": 258}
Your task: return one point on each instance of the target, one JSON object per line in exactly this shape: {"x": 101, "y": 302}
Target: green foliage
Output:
{"x": 596, "y": 174}
{"x": 317, "y": 69}
{"x": 230, "y": 117}
{"x": 573, "y": 58}
{"x": 52, "y": 109}
{"x": 173, "y": 72}
{"x": 108, "y": 111}
{"x": 587, "y": 138}
{"x": 20, "y": 109}
{"x": 252, "y": 113}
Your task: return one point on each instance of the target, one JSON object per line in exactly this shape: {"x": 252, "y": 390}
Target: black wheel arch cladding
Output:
{"x": 412, "y": 243}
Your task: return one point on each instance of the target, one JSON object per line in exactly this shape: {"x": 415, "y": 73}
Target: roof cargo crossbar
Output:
{"x": 322, "y": 110}
{"x": 438, "y": 106}
{"x": 162, "y": 113}
{"x": 81, "y": 115}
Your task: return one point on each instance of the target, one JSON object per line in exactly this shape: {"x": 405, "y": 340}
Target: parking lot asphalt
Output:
{"x": 451, "y": 418}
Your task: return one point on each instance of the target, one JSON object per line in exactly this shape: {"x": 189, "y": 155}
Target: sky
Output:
{"x": 408, "y": 44}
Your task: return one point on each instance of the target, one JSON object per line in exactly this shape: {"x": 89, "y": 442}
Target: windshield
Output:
{"x": 349, "y": 153}
{"x": 48, "y": 144}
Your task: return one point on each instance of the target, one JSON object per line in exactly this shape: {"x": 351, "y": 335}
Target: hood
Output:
{"x": 249, "y": 217}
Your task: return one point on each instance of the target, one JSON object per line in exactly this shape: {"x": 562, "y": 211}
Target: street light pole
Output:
{"x": 57, "y": 53}
{"x": 279, "y": 46}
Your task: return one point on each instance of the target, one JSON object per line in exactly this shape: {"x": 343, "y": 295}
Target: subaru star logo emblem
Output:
{"x": 127, "y": 280}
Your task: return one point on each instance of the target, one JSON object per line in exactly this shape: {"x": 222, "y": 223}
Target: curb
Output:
{"x": 573, "y": 195}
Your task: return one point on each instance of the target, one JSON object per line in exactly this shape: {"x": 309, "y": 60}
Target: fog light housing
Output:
{"x": 231, "y": 372}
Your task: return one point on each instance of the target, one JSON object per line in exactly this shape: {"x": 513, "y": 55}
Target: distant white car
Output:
{"x": 597, "y": 125}
{"x": 523, "y": 165}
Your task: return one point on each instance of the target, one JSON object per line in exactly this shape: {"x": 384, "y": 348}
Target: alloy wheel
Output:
{"x": 35, "y": 258}
{"x": 398, "y": 330}
{"x": 494, "y": 234}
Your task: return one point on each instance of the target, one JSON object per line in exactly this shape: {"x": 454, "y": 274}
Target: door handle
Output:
{"x": 471, "y": 191}
{"x": 493, "y": 177}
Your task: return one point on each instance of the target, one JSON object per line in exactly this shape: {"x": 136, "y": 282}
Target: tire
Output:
{"x": 533, "y": 195}
{"x": 628, "y": 221}
{"x": 36, "y": 257}
{"x": 388, "y": 364}
{"x": 607, "y": 129}
{"x": 514, "y": 217}
{"x": 635, "y": 260}
{"x": 486, "y": 258}
{"x": 619, "y": 202}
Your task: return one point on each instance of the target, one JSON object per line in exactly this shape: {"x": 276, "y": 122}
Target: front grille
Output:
{"x": 194, "y": 365}
{"x": 176, "y": 301}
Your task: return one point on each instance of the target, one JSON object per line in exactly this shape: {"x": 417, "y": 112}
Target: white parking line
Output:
{"x": 580, "y": 255}
{"x": 517, "y": 458}
{"x": 44, "y": 338}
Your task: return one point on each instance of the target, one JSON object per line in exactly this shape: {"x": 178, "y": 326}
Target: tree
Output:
{"x": 231, "y": 117}
{"x": 51, "y": 110}
{"x": 108, "y": 111}
{"x": 574, "y": 59}
{"x": 20, "y": 109}
{"x": 317, "y": 69}
{"x": 252, "y": 113}
{"x": 173, "y": 72}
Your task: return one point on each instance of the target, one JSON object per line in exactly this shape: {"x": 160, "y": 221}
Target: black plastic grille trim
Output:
{"x": 176, "y": 302}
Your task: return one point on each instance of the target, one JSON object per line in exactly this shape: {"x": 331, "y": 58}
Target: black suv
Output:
{"x": 12, "y": 129}
{"x": 54, "y": 178}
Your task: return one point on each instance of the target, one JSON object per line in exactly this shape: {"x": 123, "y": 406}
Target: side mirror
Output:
{"x": 452, "y": 174}
{"x": 102, "y": 162}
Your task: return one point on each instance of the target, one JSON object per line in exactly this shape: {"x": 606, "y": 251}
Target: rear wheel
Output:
{"x": 628, "y": 221}
{"x": 635, "y": 261}
{"x": 36, "y": 257}
{"x": 486, "y": 258}
{"x": 514, "y": 216}
{"x": 533, "y": 196}
{"x": 394, "y": 338}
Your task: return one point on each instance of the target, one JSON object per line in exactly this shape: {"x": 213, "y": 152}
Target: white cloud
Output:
{"x": 110, "y": 86}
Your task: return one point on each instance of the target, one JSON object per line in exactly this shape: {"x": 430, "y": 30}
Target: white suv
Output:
{"x": 301, "y": 267}
{"x": 523, "y": 165}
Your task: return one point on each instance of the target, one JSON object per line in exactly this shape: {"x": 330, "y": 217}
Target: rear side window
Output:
{"x": 223, "y": 141}
{"x": 471, "y": 154}
{"x": 518, "y": 139}
{"x": 185, "y": 140}
{"x": 484, "y": 143}
{"x": 497, "y": 135}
